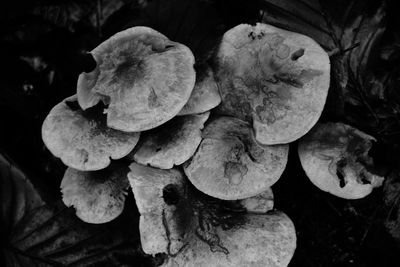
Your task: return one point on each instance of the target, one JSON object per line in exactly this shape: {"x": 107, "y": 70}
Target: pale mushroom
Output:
{"x": 335, "y": 158}
{"x": 97, "y": 196}
{"x": 165, "y": 214}
{"x": 144, "y": 78}
{"x": 205, "y": 94}
{"x": 261, "y": 203}
{"x": 229, "y": 164}
{"x": 274, "y": 78}
{"x": 172, "y": 143}
{"x": 81, "y": 139}
{"x": 262, "y": 240}
{"x": 183, "y": 224}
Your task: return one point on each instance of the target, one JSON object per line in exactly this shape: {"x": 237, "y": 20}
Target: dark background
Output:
{"x": 43, "y": 47}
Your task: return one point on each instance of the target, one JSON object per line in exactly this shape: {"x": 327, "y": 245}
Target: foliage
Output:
{"x": 40, "y": 234}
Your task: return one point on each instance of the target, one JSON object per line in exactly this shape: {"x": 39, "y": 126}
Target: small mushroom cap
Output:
{"x": 172, "y": 143}
{"x": 275, "y": 78}
{"x": 229, "y": 164}
{"x": 165, "y": 215}
{"x": 261, "y": 203}
{"x": 144, "y": 78}
{"x": 97, "y": 196}
{"x": 205, "y": 94}
{"x": 264, "y": 240}
{"x": 335, "y": 158}
{"x": 81, "y": 139}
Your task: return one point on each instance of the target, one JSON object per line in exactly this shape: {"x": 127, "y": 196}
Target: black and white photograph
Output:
{"x": 199, "y": 133}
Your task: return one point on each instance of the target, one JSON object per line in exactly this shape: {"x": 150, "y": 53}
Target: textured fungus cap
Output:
{"x": 172, "y": 143}
{"x": 335, "y": 158}
{"x": 263, "y": 240}
{"x": 205, "y": 94}
{"x": 144, "y": 78}
{"x": 260, "y": 203}
{"x": 81, "y": 139}
{"x": 160, "y": 196}
{"x": 99, "y": 196}
{"x": 275, "y": 78}
{"x": 229, "y": 164}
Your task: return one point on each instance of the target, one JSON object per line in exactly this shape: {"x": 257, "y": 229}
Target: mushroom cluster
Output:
{"x": 201, "y": 145}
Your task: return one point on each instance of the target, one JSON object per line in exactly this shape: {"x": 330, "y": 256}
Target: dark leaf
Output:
{"x": 38, "y": 234}
{"x": 392, "y": 202}
{"x": 17, "y": 195}
{"x": 304, "y": 17}
{"x": 348, "y": 30}
{"x": 335, "y": 25}
{"x": 195, "y": 23}
{"x": 68, "y": 14}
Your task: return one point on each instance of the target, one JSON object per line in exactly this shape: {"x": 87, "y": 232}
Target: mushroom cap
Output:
{"x": 335, "y": 158}
{"x": 144, "y": 78}
{"x": 264, "y": 240}
{"x": 229, "y": 164}
{"x": 205, "y": 94}
{"x": 260, "y": 203}
{"x": 165, "y": 214}
{"x": 81, "y": 139}
{"x": 275, "y": 78}
{"x": 172, "y": 143}
{"x": 97, "y": 196}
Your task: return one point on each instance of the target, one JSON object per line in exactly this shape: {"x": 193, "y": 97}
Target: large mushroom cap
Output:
{"x": 160, "y": 196}
{"x": 145, "y": 79}
{"x": 196, "y": 230}
{"x": 229, "y": 164}
{"x": 335, "y": 158}
{"x": 205, "y": 94}
{"x": 81, "y": 139}
{"x": 275, "y": 78}
{"x": 263, "y": 240}
{"x": 172, "y": 143}
{"x": 99, "y": 196}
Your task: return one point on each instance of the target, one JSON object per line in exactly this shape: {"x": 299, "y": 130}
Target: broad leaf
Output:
{"x": 17, "y": 195}
{"x": 355, "y": 25}
{"x": 195, "y": 23}
{"x": 39, "y": 234}
{"x": 392, "y": 202}
{"x": 68, "y": 14}
{"x": 348, "y": 30}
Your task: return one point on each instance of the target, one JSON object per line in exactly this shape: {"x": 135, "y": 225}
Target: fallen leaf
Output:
{"x": 348, "y": 30}
{"x": 39, "y": 234}
{"x": 392, "y": 201}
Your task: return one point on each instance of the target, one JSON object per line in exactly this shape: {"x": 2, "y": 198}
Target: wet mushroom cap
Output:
{"x": 205, "y": 94}
{"x": 144, "y": 78}
{"x": 97, "y": 196}
{"x": 229, "y": 164}
{"x": 264, "y": 240}
{"x": 335, "y": 158}
{"x": 160, "y": 196}
{"x": 172, "y": 143}
{"x": 81, "y": 139}
{"x": 277, "y": 79}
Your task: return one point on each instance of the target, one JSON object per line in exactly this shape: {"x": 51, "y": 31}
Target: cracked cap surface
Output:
{"x": 229, "y": 164}
{"x": 277, "y": 79}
